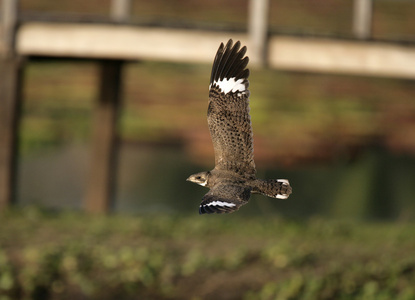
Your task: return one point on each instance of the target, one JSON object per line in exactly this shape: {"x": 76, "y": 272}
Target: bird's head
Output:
{"x": 199, "y": 178}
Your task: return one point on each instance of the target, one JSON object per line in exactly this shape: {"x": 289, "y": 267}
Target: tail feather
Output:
{"x": 274, "y": 188}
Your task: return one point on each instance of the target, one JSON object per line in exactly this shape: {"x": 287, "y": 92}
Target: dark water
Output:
{"x": 378, "y": 185}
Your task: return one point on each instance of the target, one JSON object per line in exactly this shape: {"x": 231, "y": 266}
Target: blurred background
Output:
{"x": 345, "y": 142}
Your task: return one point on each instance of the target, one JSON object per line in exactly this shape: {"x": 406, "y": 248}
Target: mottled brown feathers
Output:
{"x": 233, "y": 179}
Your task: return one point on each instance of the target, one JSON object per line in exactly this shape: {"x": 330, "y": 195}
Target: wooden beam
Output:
{"x": 258, "y": 30}
{"x": 342, "y": 57}
{"x": 121, "y": 42}
{"x": 120, "y": 10}
{"x": 101, "y": 182}
{"x": 8, "y": 21}
{"x": 10, "y": 92}
{"x": 10, "y": 99}
{"x": 362, "y": 18}
{"x": 283, "y": 52}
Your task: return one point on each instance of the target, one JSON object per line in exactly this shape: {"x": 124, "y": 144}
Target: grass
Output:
{"x": 72, "y": 255}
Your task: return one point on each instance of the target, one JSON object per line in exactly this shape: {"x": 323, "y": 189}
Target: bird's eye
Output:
{"x": 198, "y": 177}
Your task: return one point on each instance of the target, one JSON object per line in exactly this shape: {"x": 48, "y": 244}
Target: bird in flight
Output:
{"x": 233, "y": 179}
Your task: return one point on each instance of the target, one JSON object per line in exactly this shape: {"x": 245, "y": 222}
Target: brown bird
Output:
{"x": 233, "y": 179}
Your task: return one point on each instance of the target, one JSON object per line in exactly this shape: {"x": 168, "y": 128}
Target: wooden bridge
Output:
{"x": 112, "y": 43}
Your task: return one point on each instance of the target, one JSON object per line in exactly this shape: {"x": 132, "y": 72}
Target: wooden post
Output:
{"x": 9, "y": 9}
{"x": 101, "y": 183}
{"x": 120, "y": 10}
{"x": 258, "y": 30}
{"x": 10, "y": 91}
{"x": 10, "y": 99}
{"x": 362, "y": 18}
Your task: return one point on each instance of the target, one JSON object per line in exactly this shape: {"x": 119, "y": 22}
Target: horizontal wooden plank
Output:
{"x": 339, "y": 56}
{"x": 181, "y": 45}
{"x": 119, "y": 42}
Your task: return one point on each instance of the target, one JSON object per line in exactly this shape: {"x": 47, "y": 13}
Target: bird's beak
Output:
{"x": 188, "y": 179}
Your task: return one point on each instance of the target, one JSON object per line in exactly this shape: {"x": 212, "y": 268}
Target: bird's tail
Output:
{"x": 275, "y": 188}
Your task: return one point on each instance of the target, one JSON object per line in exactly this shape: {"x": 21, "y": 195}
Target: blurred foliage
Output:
{"x": 44, "y": 255}
{"x": 326, "y": 117}
{"x": 58, "y": 100}
{"x": 316, "y": 117}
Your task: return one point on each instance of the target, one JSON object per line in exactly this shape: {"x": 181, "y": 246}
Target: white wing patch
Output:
{"x": 230, "y": 85}
{"x": 220, "y": 203}
{"x": 284, "y": 182}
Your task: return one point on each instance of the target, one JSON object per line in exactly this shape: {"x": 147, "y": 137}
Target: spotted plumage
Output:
{"x": 233, "y": 179}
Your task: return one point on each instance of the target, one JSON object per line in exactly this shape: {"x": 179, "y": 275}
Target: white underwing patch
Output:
{"x": 230, "y": 85}
{"x": 220, "y": 203}
{"x": 281, "y": 196}
{"x": 284, "y": 181}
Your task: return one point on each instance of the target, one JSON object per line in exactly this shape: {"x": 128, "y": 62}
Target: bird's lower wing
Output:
{"x": 224, "y": 198}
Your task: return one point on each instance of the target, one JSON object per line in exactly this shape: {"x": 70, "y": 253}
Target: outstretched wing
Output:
{"x": 228, "y": 112}
{"x": 224, "y": 198}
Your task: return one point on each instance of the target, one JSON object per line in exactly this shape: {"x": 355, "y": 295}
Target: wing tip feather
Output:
{"x": 230, "y": 62}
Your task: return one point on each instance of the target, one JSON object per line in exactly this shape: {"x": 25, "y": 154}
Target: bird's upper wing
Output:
{"x": 224, "y": 198}
{"x": 228, "y": 111}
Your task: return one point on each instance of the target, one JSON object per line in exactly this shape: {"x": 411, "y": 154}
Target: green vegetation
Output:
{"x": 72, "y": 255}
{"x": 316, "y": 117}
